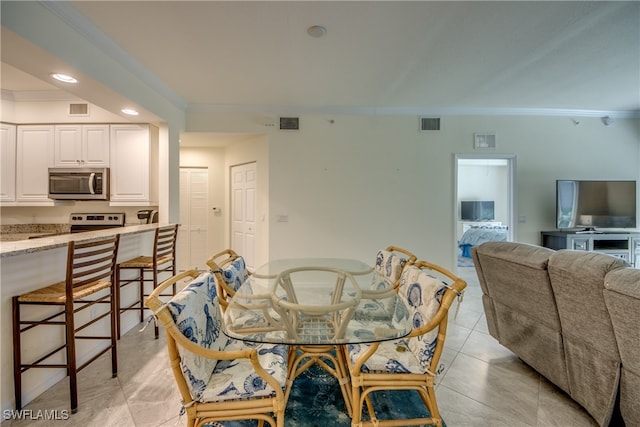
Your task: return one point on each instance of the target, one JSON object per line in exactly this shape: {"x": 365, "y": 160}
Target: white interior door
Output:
{"x": 243, "y": 211}
{"x": 192, "y": 234}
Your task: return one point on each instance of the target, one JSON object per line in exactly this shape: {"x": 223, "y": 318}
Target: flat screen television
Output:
{"x": 591, "y": 204}
{"x": 477, "y": 211}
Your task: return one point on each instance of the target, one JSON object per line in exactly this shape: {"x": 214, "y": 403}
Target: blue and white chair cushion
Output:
{"x": 196, "y": 313}
{"x": 422, "y": 295}
{"x": 235, "y": 274}
{"x": 388, "y": 265}
{"x": 237, "y": 378}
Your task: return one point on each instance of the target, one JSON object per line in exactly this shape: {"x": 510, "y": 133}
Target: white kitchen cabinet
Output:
{"x": 34, "y": 157}
{"x": 7, "y": 163}
{"x": 134, "y": 165}
{"x": 81, "y": 146}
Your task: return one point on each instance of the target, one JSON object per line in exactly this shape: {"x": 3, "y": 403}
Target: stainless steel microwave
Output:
{"x": 79, "y": 184}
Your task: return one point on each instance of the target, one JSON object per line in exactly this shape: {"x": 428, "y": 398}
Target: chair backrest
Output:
{"x": 164, "y": 245}
{"x": 193, "y": 316}
{"x": 428, "y": 291}
{"x": 230, "y": 271}
{"x": 90, "y": 262}
{"x": 390, "y": 262}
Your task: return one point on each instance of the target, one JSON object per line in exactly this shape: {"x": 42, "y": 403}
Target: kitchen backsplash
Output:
{"x": 60, "y": 214}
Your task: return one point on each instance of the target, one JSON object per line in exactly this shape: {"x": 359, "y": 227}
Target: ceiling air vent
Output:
{"x": 289, "y": 123}
{"x": 78, "y": 109}
{"x": 429, "y": 123}
{"x": 484, "y": 140}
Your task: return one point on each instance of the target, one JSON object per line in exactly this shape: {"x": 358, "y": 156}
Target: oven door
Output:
{"x": 79, "y": 184}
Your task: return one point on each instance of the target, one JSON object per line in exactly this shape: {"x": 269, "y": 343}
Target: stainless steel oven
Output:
{"x": 80, "y": 222}
{"x": 79, "y": 184}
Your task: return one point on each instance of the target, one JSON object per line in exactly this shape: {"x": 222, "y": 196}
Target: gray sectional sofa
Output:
{"x": 573, "y": 316}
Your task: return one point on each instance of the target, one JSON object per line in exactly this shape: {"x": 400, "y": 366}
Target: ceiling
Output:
{"x": 421, "y": 57}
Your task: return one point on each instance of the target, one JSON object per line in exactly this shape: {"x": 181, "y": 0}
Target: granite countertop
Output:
{"x": 15, "y": 232}
{"x": 25, "y": 246}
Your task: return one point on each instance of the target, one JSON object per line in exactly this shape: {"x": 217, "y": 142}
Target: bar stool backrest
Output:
{"x": 90, "y": 262}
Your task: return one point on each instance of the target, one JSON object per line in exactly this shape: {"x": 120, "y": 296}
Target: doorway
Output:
{"x": 243, "y": 211}
{"x": 486, "y": 181}
{"x": 192, "y": 233}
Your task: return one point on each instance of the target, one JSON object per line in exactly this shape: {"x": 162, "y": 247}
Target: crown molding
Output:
{"x": 409, "y": 111}
{"x": 37, "y": 96}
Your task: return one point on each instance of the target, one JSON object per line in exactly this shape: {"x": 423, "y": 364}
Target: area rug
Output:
{"x": 316, "y": 400}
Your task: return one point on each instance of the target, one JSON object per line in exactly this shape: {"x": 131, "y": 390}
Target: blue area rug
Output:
{"x": 316, "y": 400}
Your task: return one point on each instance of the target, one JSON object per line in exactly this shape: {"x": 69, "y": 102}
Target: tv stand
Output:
{"x": 624, "y": 245}
{"x": 589, "y": 230}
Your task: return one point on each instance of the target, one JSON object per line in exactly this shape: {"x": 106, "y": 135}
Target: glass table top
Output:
{"x": 316, "y": 301}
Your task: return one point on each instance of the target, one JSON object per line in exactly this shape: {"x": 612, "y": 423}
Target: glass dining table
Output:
{"x": 316, "y": 305}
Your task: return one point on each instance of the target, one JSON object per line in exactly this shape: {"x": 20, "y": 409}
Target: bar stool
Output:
{"x": 147, "y": 269}
{"x": 90, "y": 275}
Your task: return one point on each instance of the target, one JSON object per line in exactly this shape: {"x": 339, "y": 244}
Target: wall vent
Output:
{"x": 429, "y": 123}
{"x": 289, "y": 123}
{"x": 484, "y": 141}
{"x": 78, "y": 109}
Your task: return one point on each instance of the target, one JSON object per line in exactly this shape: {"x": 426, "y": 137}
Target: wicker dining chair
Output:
{"x": 89, "y": 282}
{"x": 231, "y": 271}
{"x": 219, "y": 379}
{"x": 410, "y": 363}
{"x": 147, "y": 270}
{"x": 391, "y": 261}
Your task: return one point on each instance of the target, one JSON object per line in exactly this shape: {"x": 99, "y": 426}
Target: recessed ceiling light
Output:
{"x": 130, "y": 111}
{"x": 316, "y": 31}
{"x": 64, "y": 78}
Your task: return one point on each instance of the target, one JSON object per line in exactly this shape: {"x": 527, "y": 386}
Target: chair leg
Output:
{"x": 71, "y": 356}
{"x": 17, "y": 359}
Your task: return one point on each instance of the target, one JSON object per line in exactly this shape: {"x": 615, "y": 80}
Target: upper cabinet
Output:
{"x": 81, "y": 146}
{"x": 8, "y": 163}
{"x": 134, "y": 165}
{"x": 34, "y": 157}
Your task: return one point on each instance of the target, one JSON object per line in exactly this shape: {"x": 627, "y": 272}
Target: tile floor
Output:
{"x": 483, "y": 383}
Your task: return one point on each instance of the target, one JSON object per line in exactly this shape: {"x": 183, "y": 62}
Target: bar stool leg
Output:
{"x": 114, "y": 324}
{"x": 155, "y": 285}
{"x": 118, "y": 301}
{"x": 17, "y": 359}
{"x": 71, "y": 355}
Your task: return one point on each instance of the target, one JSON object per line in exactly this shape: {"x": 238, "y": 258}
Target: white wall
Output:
{"x": 364, "y": 182}
{"x": 489, "y": 182}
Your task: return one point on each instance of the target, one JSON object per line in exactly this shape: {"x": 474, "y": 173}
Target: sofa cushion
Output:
{"x": 593, "y": 361}
{"x": 520, "y": 305}
{"x": 622, "y": 296}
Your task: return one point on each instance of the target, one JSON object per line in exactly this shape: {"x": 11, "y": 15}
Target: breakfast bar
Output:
{"x": 27, "y": 265}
